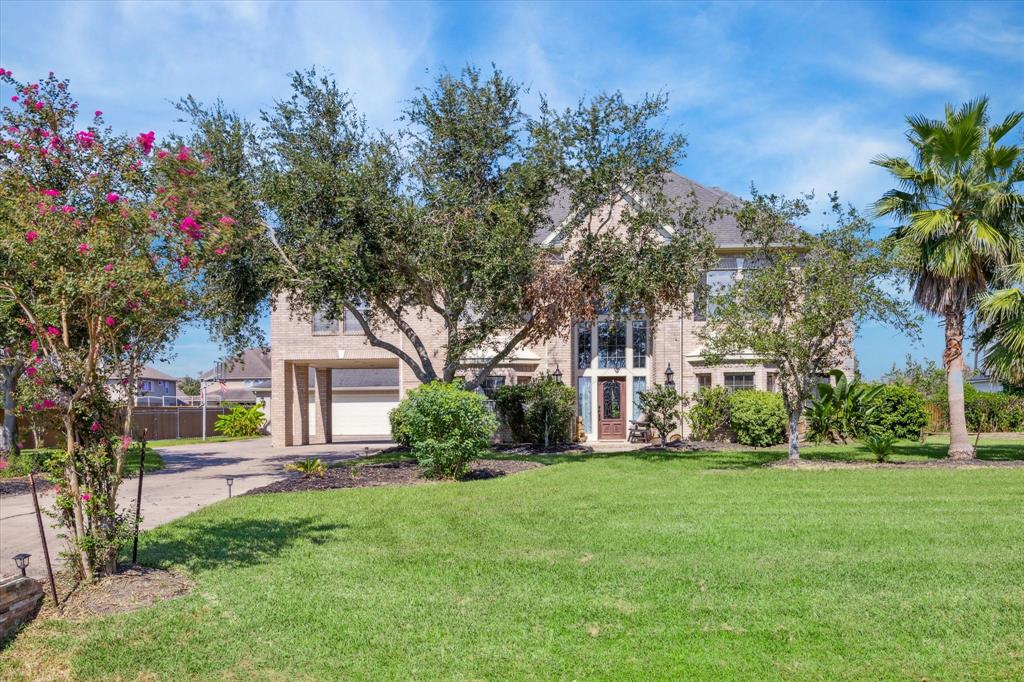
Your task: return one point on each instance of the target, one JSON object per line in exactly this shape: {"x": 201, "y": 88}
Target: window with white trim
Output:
{"x": 739, "y": 381}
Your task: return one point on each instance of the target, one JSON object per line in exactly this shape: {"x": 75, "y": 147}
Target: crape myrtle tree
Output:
{"x": 959, "y": 209}
{"x": 801, "y": 297}
{"x": 106, "y": 243}
{"x": 442, "y": 217}
{"x": 14, "y": 358}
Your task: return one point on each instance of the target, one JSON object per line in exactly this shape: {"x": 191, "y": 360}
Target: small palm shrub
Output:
{"x": 241, "y": 422}
{"x": 308, "y": 467}
{"x": 757, "y": 418}
{"x": 662, "y": 409}
{"x": 709, "y": 416}
{"x": 880, "y": 444}
{"x": 843, "y": 411}
{"x": 446, "y": 427}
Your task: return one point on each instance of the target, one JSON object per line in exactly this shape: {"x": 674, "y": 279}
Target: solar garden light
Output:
{"x": 21, "y": 561}
{"x": 230, "y": 480}
{"x": 669, "y": 381}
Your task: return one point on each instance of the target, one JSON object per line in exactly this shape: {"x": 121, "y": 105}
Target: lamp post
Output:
{"x": 216, "y": 378}
{"x": 669, "y": 374}
{"x": 21, "y": 561}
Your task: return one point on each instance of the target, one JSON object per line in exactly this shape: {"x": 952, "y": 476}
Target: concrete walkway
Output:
{"x": 193, "y": 477}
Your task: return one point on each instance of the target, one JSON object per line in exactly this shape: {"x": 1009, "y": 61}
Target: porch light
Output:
{"x": 669, "y": 374}
{"x": 557, "y": 374}
{"x": 21, "y": 561}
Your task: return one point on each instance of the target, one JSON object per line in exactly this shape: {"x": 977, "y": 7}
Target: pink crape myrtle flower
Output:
{"x": 31, "y": 236}
{"x": 220, "y": 251}
{"x": 49, "y": 403}
{"x": 67, "y": 209}
{"x": 52, "y": 193}
{"x": 126, "y": 441}
{"x": 226, "y": 220}
{"x": 98, "y": 113}
{"x": 85, "y": 138}
{"x": 183, "y": 262}
{"x": 94, "y": 427}
{"x": 162, "y": 154}
{"x": 52, "y": 331}
{"x": 15, "y": 98}
{"x": 112, "y": 198}
{"x": 110, "y": 321}
{"x": 108, "y": 267}
{"x": 3, "y": 463}
{"x": 145, "y": 141}
{"x": 84, "y": 248}
{"x": 86, "y": 497}
{"x": 183, "y": 153}
{"x": 34, "y": 345}
{"x": 31, "y": 371}
{"x": 39, "y": 105}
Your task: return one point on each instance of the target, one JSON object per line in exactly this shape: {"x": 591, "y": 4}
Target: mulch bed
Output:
{"x": 390, "y": 473}
{"x": 537, "y": 449}
{"x": 19, "y": 484}
{"x": 134, "y": 587}
{"x": 930, "y": 464}
{"x": 695, "y": 446}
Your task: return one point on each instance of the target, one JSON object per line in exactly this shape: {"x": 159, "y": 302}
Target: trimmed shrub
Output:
{"x": 446, "y": 427}
{"x": 899, "y": 410}
{"x": 662, "y": 409}
{"x": 241, "y": 422}
{"x": 757, "y": 418}
{"x": 709, "y": 416}
{"x": 399, "y": 425}
{"x": 542, "y": 411}
{"x": 879, "y": 444}
{"x": 993, "y": 411}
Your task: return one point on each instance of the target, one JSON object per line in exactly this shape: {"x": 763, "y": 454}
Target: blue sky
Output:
{"x": 792, "y": 97}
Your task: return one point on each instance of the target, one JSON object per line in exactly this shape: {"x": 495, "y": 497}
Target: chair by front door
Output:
{"x": 611, "y": 418}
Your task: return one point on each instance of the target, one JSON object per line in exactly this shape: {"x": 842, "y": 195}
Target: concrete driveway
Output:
{"x": 194, "y": 477}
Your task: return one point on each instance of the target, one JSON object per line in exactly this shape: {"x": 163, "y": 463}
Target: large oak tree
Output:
{"x": 443, "y": 217}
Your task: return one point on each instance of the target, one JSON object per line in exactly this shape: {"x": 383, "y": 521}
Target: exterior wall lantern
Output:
{"x": 557, "y": 374}
{"x": 669, "y": 374}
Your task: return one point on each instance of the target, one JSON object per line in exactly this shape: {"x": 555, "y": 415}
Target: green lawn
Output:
{"x": 192, "y": 441}
{"x": 635, "y": 566}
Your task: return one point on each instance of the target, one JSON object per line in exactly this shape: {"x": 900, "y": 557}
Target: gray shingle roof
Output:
{"x": 724, "y": 228}
{"x": 253, "y": 363}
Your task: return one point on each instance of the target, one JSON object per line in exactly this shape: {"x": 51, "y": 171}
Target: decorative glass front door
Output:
{"x": 611, "y": 423}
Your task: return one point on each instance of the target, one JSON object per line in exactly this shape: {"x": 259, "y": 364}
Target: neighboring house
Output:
{"x": 245, "y": 379}
{"x": 154, "y": 387}
{"x": 328, "y": 380}
{"x": 986, "y": 384}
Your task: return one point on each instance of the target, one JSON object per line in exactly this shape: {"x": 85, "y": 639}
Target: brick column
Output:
{"x": 323, "y": 408}
{"x": 300, "y": 404}
{"x": 280, "y": 404}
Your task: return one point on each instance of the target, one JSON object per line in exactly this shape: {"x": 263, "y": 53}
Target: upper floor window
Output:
{"x": 715, "y": 283}
{"x": 492, "y": 384}
{"x": 584, "y": 346}
{"x": 611, "y": 345}
{"x": 352, "y": 325}
{"x": 639, "y": 343}
{"x": 324, "y": 325}
{"x": 740, "y": 382}
{"x": 703, "y": 381}
{"x": 146, "y": 385}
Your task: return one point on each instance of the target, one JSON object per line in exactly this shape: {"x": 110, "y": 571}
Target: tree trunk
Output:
{"x": 794, "y": 434}
{"x": 76, "y": 500}
{"x": 953, "y": 358}
{"x": 9, "y": 433}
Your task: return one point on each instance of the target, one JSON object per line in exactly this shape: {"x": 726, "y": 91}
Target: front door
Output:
{"x": 611, "y": 414}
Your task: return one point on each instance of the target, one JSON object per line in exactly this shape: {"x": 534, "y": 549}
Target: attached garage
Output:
{"x": 360, "y": 401}
{"x": 363, "y": 413}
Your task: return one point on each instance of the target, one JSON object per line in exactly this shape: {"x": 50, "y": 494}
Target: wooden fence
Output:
{"x": 937, "y": 418}
{"x": 162, "y": 423}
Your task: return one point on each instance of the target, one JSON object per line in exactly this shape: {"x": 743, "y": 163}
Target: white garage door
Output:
{"x": 363, "y": 414}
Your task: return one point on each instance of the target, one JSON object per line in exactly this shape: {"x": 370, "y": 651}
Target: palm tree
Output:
{"x": 959, "y": 210}
{"x": 1002, "y": 314}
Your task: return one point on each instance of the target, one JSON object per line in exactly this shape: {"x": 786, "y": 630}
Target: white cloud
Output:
{"x": 886, "y": 68}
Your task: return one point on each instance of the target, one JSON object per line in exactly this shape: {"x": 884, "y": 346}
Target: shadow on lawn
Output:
{"x": 203, "y": 545}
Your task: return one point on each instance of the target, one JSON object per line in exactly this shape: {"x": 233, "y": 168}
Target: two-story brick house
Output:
{"x": 327, "y": 380}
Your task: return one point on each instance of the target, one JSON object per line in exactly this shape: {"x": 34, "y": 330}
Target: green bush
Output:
{"x": 757, "y": 418}
{"x": 880, "y": 444}
{"x": 709, "y": 416}
{"x": 446, "y": 426}
{"x": 899, "y": 410}
{"x": 662, "y": 409}
{"x": 993, "y": 411}
{"x": 542, "y": 411}
{"x": 400, "y": 425}
{"x": 241, "y": 422}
